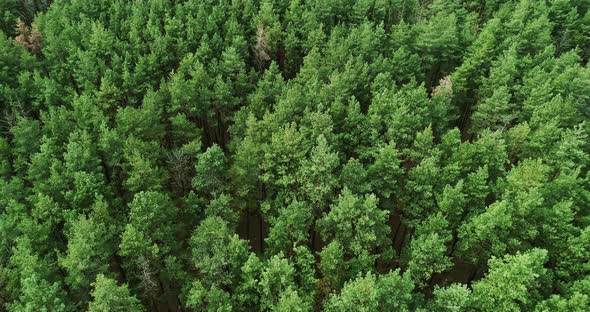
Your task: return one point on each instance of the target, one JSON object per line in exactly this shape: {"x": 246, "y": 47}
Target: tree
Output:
{"x": 108, "y": 296}
{"x": 358, "y": 222}
{"x": 247, "y": 290}
{"x": 317, "y": 175}
{"x": 282, "y": 157}
{"x": 511, "y": 282}
{"x": 290, "y": 301}
{"x": 10, "y": 9}
{"x": 143, "y": 123}
{"x": 387, "y": 292}
{"x": 290, "y": 228}
{"x": 26, "y": 134}
{"x": 438, "y": 45}
{"x": 420, "y": 187}
{"x": 245, "y": 170}
{"x": 217, "y": 253}
{"x": 147, "y": 146}
{"x": 354, "y": 177}
{"x": 39, "y": 295}
{"x": 360, "y": 294}
{"x": 153, "y": 214}
{"x": 572, "y": 267}
{"x": 268, "y": 33}
{"x": 277, "y": 278}
{"x": 90, "y": 245}
{"x": 575, "y": 299}
{"x": 494, "y": 113}
{"x": 428, "y": 251}
{"x": 144, "y": 175}
{"x": 305, "y": 273}
{"x": 268, "y": 89}
{"x": 384, "y": 174}
{"x": 5, "y": 167}
{"x": 401, "y": 113}
{"x": 395, "y": 292}
{"x": 333, "y": 266}
{"x": 213, "y": 299}
{"x": 452, "y": 202}
{"x": 148, "y": 238}
{"x": 453, "y": 298}
{"x": 222, "y": 207}
{"x": 32, "y": 280}
{"x": 210, "y": 173}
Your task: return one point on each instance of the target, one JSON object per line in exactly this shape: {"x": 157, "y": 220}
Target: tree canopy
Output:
{"x": 302, "y": 155}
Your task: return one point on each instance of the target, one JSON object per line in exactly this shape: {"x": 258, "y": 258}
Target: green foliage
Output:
{"x": 511, "y": 282}
{"x": 217, "y": 253}
{"x": 210, "y": 172}
{"x": 290, "y": 228}
{"x": 386, "y": 171}
{"x": 357, "y": 221}
{"x": 389, "y": 292}
{"x": 108, "y": 296}
{"x": 453, "y": 298}
{"x": 277, "y": 277}
{"x": 291, "y": 302}
{"x": 39, "y": 295}
{"x": 214, "y": 299}
{"x": 428, "y": 252}
{"x": 89, "y": 248}
{"x": 360, "y": 294}
{"x": 294, "y": 155}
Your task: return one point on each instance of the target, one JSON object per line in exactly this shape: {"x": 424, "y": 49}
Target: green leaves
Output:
{"x": 389, "y": 292}
{"x": 427, "y": 251}
{"x": 385, "y": 172}
{"x": 217, "y": 253}
{"x": 90, "y": 245}
{"x": 495, "y": 112}
{"x": 360, "y": 294}
{"x": 39, "y": 295}
{"x": 211, "y": 169}
{"x": 511, "y": 282}
{"x": 286, "y": 155}
{"x": 108, "y": 296}
{"x": 358, "y": 222}
{"x": 290, "y": 228}
{"x": 453, "y": 298}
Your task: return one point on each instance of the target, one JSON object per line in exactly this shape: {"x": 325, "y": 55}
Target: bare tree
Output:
{"x": 181, "y": 167}
{"x": 444, "y": 88}
{"x": 28, "y": 36}
{"x": 147, "y": 277}
{"x": 261, "y": 48}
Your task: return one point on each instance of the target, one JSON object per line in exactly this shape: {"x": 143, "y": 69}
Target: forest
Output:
{"x": 302, "y": 155}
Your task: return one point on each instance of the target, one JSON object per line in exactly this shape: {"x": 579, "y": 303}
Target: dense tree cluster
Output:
{"x": 265, "y": 155}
